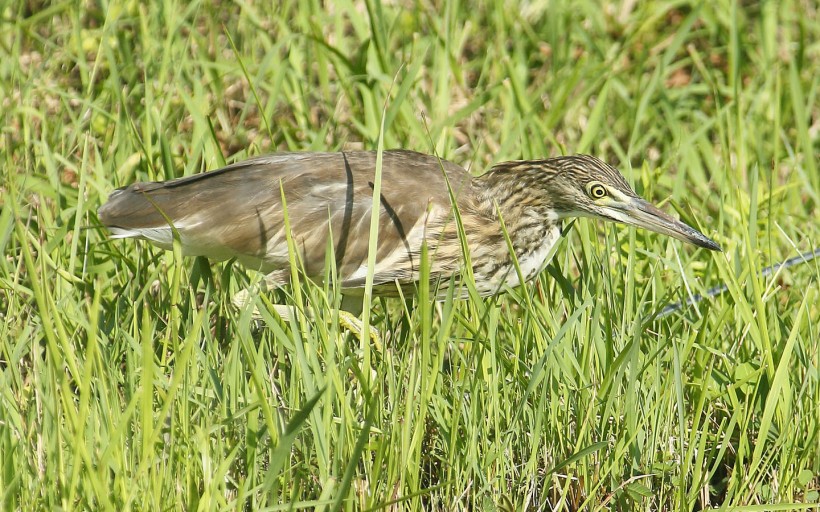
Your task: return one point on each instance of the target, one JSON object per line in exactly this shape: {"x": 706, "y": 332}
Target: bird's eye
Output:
{"x": 597, "y": 191}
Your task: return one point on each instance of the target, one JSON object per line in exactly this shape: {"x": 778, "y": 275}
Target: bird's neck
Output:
{"x": 509, "y": 193}
{"x": 529, "y": 221}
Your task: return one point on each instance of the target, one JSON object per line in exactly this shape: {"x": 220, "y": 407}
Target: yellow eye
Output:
{"x": 597, "y": 191}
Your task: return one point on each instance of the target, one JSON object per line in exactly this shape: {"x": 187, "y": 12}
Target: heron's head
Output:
{"x": 584, "y": 186}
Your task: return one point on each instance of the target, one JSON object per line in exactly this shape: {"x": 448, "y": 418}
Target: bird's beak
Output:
{"x": 646, "y": 215}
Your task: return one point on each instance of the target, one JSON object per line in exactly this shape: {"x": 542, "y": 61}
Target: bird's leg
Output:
{"x": 271, "y": 281}
{"x": 243, "y": 297}
{"x": 350, "y": 309}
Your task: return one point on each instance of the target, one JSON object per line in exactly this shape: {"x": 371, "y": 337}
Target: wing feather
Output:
{"x": 237, "y": 211}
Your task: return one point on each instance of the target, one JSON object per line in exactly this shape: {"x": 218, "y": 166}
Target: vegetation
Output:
{"x": 128, "y": 381}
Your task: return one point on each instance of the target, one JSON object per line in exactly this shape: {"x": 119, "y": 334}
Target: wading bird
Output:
{"x": 239, "y": 212}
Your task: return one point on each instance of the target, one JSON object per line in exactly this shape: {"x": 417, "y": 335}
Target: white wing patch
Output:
{"x": 162, "y": 236}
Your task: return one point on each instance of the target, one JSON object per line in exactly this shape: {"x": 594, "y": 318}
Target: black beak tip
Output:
{"x": 708, "y": 243}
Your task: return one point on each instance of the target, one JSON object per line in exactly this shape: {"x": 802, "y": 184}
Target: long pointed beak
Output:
{"x": 648, "y": 216}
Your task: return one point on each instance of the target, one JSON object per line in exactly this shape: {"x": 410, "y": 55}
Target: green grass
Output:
{"x": 129, "y": 382}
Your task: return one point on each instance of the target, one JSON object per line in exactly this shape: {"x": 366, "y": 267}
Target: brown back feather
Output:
{"x": 237, "y": 211}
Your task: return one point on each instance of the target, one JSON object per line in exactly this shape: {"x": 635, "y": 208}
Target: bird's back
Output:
{"x": 238, "y": 211}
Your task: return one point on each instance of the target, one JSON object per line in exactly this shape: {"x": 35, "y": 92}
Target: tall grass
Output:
{"x": 128, "y": 381}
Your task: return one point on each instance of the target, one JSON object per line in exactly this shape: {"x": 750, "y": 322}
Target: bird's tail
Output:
{"x": 143, "y": 210}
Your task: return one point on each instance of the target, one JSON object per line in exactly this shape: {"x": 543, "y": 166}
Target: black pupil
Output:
{"x": 598, "y": 191}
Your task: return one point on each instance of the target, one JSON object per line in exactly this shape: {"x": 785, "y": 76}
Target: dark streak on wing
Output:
{"x": 341, "y": 245}
{"x": 263, "y": 232}
{"x": 393, "y": 216}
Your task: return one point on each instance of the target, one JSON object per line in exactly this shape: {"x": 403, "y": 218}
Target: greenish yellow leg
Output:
{"x": 347, "y": 319}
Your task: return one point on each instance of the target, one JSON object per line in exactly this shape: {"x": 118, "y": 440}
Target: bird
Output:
{"x": 505, "y": 222}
